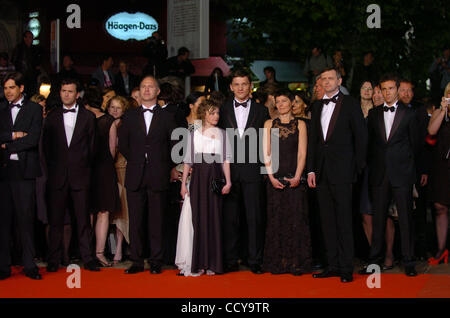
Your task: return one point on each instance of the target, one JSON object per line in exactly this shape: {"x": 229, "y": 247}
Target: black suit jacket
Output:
{"x": 394, "y": 154}
{"x": 69, "y": 164}
{"x": 249, "y": 171}
{"x": 134, "y": 143}
{"x": 119, "y": 85}
{"x": 424, "y": 154}
{"x": 29, "y": 120}
{"x": 340, "y": 154}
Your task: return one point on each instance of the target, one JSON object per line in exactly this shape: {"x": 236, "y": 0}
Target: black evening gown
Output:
{"x": 207, "y": 252}
{"x": 104, "y": 188}
{"x": 440, "y": 167}
{"x": 288, "y": 243}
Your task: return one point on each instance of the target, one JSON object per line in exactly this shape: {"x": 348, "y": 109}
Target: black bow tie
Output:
{"x": 326, "y": 100}
{"x": 386, "y": 108}
{"x": 72, "y": 110}
{"x": 148, "y": 110}
{"x": 15, "y": 105}
{"x": 237, "y": 104}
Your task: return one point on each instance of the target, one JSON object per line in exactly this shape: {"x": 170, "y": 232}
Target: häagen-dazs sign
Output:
{"x": 125, "y": 26}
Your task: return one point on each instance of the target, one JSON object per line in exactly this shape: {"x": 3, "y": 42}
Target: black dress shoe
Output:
{"x": 388, "y": 268}
{"x": 410, "y": 271}
{"x": 346, "y": 278}
{"x": 5, "y": 275}
{"x": 155, "y": 269}
{"x": 52, "y": 268}
{"x": 92, "y": 266}
{"x": 231, "y": 268}
{"x": 33, "y": 273}
{"x": 364, "y": 271}
{"x": 135, "y": 269}
{"x": 256, "y": 269}
{"x": 326, "y": 274}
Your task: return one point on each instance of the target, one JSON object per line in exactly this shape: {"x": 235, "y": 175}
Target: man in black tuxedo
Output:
{"x": 393, "y": 145}
{"x": 145, "y": 141}
{"x": 20, "y": 130}
{"x": 244, "y": 116}
{"x": 68, "y": 147}
{"x": 336, "y": 153}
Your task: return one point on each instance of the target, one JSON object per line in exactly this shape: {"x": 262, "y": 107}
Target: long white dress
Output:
{"x": 183, "y": 258}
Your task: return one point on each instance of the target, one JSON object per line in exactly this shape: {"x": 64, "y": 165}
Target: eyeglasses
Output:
{"x": 367, "y": 88}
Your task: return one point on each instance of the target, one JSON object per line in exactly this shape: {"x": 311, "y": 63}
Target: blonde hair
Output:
{"x": 122, "y": 101}
{"x": 447, "y": 90}
{"x": 37, "y": 98}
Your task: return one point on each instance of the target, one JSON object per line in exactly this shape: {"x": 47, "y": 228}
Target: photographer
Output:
{"x": 156, "y": 53}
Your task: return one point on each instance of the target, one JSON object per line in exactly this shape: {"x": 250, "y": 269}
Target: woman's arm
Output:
{"x": 113, "y": 139}
{"x": 437, "y": 117}
{"x": 267, "y": 150}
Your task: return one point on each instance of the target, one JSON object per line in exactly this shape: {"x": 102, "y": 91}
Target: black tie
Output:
{"x": 386, "y": 108}
{"x": 237, "y": 104}
{"x": 15, "y": 105}
{"x": 148, "y": 110}
{"x": 69, "y": 110}
{"x": 326, "y": 100}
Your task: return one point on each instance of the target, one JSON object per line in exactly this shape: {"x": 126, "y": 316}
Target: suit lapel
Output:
{"x": 334, "y": 117}
{"x": 141, "y": 121}
{"x": 79, "y": 124}
{"x": 20, "y": 115}
{"x": 399, "y": 114}
{"x": 231, "y": 115}
{"x": 319, "y": 122}
{"x": 381, "y": 123}
{"x": 251, "y": 115}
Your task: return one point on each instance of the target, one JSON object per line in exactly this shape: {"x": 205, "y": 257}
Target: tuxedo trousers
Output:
{"x": 59, "y": 201}
{"x": 252, "y": 195}
{"x": 382, "y": 196}
{"x": 17, "y": 199}
{"x": 335, "y": 209}
{"x": 146, "y": 209}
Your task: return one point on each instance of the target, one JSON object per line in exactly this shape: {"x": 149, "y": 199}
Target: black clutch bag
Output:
{"x": 285, "y": 182}
{"x": 217, "y": 185}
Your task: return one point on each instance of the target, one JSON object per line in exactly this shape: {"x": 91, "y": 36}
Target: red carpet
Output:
{"x": 113, "y": 283}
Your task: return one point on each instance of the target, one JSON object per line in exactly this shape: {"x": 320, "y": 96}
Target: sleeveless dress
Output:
{"x": 199, "y": 243}
{"x": 288, "y": 243}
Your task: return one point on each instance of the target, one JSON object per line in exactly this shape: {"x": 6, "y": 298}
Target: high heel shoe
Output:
{"x": 102, "y": 262}
{"x": 442, "y": 259}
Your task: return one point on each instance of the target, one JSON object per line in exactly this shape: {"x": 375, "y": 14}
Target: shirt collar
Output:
{"x": 395, "y": 105}
{"x": 151, "y": 107}
{"x": 20, "y": 101}
{"x": 326, "y": 96}
{"x": 73, "y": 107}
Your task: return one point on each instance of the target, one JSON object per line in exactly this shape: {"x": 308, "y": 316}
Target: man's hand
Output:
{"x": 423, "y": 180}
{"x": 312, "y": 180}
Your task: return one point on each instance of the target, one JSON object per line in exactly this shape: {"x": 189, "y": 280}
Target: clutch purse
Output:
{"x": 285, "y": 182}
{"x": 217, "y": 185}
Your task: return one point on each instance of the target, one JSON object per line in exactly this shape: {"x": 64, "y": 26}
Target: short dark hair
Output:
{"x": 106, "y": 57}
{"x": 183, "y": 50}
{"x": 69, "y": 81}
{"x": 270, "y": 69}
{"x": 390, "y": 77}
{"x": 17, "y": 77}
{"x": 169, "y": 93}
{"x": 93, "y": 98}
{"x": 327, "y": 69}
{"x": 193, "y": 97}
{"x": 284, "y": 92}
{"x": 25, "y": 33}
{"x": 405, "y": 80}
{"x": 240, "y": 72}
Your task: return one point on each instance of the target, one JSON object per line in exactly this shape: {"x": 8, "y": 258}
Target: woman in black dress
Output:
{"x": 209, "y": 159}
{"x": 288, "y": 244}
{"x": 440, "y": 174}
{"x": 104, "y": 190}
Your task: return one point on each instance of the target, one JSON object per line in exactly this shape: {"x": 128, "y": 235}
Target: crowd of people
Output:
{"x": 221, "y": 194}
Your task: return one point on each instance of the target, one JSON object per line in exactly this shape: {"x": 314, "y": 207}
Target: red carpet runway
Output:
{"x": 113, "y": 283}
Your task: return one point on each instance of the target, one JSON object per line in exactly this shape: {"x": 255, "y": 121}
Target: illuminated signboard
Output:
{"x": 125, "y": 26}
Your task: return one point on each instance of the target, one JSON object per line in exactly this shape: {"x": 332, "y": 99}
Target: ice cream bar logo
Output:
{"x": 125, "y": 26}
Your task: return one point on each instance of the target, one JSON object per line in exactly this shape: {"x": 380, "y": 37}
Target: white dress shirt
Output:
{"x": 327, "y": 113}
{"x": 70, "y": 120}
{"x": 242, "y": 116}
{"x": 389, "y": 119}
{"x": 148, "y": 116}
{"x": 14, "y": 113}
